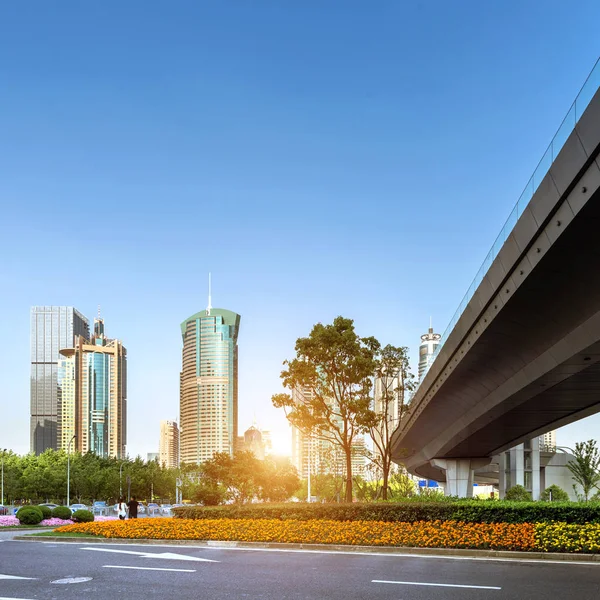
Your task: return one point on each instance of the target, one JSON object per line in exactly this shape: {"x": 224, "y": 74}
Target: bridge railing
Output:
{"x": 585, "y": 95}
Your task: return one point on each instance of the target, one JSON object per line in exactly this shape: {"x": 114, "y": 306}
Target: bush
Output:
{"x": 62, "y": 512}
{"x": 472, "y": 511}
{"x": 29, "y": 515}
{"x": 518, "y": 493}
{"x": 83, "y": 516}
{"x": 46, "y": 511}
{"x": 554, "y": 494}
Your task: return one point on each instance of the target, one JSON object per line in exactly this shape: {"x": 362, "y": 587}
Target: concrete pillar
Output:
{"x": 459, "y": 474}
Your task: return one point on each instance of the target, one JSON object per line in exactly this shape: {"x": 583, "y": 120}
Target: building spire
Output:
{"x": 430, "y": 324}
{"x": 209, "y": 307}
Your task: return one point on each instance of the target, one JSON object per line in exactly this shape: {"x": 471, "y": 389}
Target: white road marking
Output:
{"x": 451, "y": 585}
{"x": 147, "y": 569}
{"x": 14, "y": 577}
{"x": 165, "y": 555}
{"x": 7, "y": 598}
{"x": 374, "y": 553}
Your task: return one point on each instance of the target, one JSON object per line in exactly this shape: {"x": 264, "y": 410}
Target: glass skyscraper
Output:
{"x": 209, "y": 384}
{"x": 92, "y": 395}
{"x": 52, "y": 329}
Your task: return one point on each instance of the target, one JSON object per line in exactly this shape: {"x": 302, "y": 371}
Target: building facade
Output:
{"x": 209, "y": 384}
{"x": 253, "y": 442}
{"x": 92, "y": 395}
{"x": 429, "y": 342}
{"x": 168, "y": 444}
{"x": 52, "y": 329}
{"x": 548, "y": 440}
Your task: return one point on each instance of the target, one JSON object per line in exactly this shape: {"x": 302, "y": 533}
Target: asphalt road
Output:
{"x": 138, "y": 571}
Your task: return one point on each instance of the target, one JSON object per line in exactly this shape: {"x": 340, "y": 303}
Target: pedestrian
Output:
{"x": 122, "y": 509}
{"x": 133, "y": 508}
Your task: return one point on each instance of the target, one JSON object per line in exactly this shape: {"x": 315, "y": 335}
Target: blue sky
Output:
{"x": 320, "y": 158}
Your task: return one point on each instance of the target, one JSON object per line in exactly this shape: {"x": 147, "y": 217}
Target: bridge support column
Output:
{"x": 459, "y": 474}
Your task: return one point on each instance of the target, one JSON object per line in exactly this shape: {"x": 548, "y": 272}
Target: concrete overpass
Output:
{"x": 522, "y": 354}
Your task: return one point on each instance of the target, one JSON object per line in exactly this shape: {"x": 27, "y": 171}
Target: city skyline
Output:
{"x": 338, "y": 177}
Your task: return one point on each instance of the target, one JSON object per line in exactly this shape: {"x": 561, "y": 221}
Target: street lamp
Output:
{"x": 2, "y": 498}
{"x": 69, "y": 471}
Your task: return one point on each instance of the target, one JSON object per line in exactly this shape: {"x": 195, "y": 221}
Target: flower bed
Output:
{"x": 437, "y": 534}
{"x": 12, "y": 521}
{"x": 544, "y": 537}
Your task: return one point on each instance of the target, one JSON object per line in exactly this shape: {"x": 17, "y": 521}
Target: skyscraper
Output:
{"x": 92, "y": 395}
{"x": 168, "y": 444}
{"x": 209, "y": 384}
{"x": 429, "y": 342}
{"x": 52, "y": 329}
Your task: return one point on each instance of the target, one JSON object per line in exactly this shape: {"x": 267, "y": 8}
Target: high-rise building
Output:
{"x": 52, "y": 329}
{"x": 209, "y": 384}
{"x": 253, "y": 442}
{"x": 429, "y": 342}
{"x": 92, "y": 395}
{"x": 151, "y": 456}
{"x": 168, "y": 445}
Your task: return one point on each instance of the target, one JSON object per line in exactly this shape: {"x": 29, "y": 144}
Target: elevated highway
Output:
{"x": 522, "y": 355}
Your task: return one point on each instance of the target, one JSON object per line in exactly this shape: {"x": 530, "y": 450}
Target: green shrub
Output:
{"x": 518, "y": 493}
{"x": 29, "y": 515}
{"x": 62, "y": 512}
{"x": 46, "y": 511}
{"x": 471, "y": 511}
{"x": 554, "y": 494}
{"x": 83, "y": 516}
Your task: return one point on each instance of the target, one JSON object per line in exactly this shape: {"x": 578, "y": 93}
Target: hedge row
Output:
{"x": 407, "y": 512}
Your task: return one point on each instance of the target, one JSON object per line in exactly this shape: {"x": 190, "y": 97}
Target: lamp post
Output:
{"x": 2, "y": 499}
{"x": 69, "y": 471}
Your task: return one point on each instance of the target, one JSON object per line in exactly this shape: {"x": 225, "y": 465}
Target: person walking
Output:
{"x": 122, "y": 509}
{"x": 133, "y": 508}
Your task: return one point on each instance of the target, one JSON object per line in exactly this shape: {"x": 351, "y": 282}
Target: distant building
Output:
{"x": 152, "y": 456}
{"x": 209, "y": 384}
{"x": 52, "y": 329}
{"x": 267, "y": 441}
{"x": 168, "y": 444}
{"x": 253, "y": 442}
{"x": 92, "y": 395}
{"x": 429, "y": 342}
{"x": 548, "y": 440}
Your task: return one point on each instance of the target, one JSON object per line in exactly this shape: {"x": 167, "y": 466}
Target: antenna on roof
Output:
{"x": 209, "y": 307}
{"x": 98, "y": 311}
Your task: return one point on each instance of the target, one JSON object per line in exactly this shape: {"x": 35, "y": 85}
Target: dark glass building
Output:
{"x": 53, "y": 328}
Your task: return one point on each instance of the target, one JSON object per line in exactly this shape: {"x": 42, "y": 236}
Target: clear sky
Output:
{"x": 318, "y": 157}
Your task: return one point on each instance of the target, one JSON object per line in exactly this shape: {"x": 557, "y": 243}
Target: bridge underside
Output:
{"x": 534, "y": 368}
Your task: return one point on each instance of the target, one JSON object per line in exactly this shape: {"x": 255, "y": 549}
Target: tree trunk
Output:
{"x": 386, "y": 474}
{"x": 348, "y": 473}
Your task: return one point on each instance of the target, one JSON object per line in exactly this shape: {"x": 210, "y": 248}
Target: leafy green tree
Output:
{"x": 517, "y": 493}
{"x": 330, "y": 380}
{"x": 554, "y": 493}
{"x": 277, "y": 480}
{"x": 393, "y": 382}
{"x": 585, "y": 469}
{"x": 401, "y": 486}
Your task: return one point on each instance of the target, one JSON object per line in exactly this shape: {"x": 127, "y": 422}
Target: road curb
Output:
{"x": 399, "y": 550}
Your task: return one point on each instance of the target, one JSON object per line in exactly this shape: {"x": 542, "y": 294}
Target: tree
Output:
{"x": 586, "y": 466}
{"x": 518, "y": 493}
{"x": 554, "y": 493}
{"x": 330, "y": 380}
{"x": 393, "y": 384}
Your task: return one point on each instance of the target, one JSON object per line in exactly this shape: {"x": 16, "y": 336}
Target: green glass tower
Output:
{"x": 208, "y": 396}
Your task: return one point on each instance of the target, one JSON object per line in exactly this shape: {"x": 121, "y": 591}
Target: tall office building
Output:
{"x": 253, "y": 442}
{"x": 387, "y": 400}
{"x": 429, "y": 342}
{"x": 52, "y": 329}
{"x": 168, "y": 444}
{"x": 209, "y": 384}
{"x": 92, "y": 395}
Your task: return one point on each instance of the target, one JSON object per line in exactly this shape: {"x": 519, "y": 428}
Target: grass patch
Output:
{"x": 65, "y": 535}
